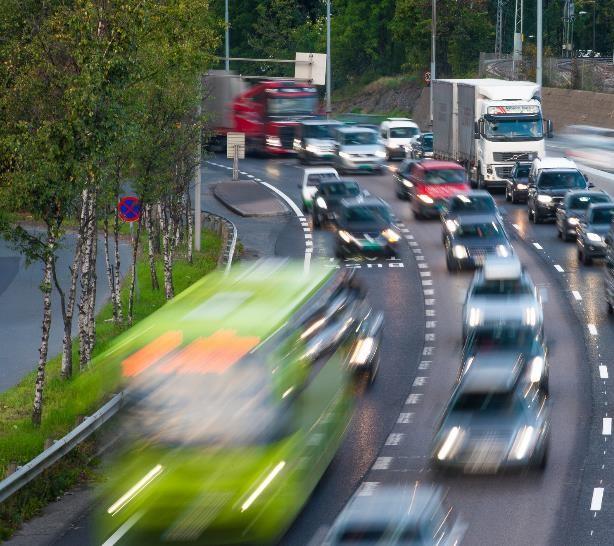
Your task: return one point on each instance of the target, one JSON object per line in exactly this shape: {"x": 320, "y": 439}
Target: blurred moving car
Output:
{"x": 496, "y": 419}
{"x": 365, "y": 226}
{"x": 572, "y": 210}
{"x": 474, "y": 239}
{"x": 420, "y": 147}
{"x": 467, "y": 204}
{"x": 608, "y": 275}
{"x": 517, "y": 186}
{"x": 314, "y": 140}
{"x": 508, "y": 345}
{"x": 502, "y": 293}
{"x": 311, "y": 180}
{"x": 432, "y": 184}
{"x": 592, "y": 146}
{"x": 328, "y": 197}
{"x": 549, "y": 180}
{"x": 358, "y": 149}
{"x": 402, "y": 182}
{"x": 397, "y": 515}
{"x": 593, "y": 232}
{"x": 233, "y": 413}
{"x": 396, "y": 134}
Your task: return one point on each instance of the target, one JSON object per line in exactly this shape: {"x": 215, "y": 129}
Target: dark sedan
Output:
{"x": 517, "y": 186}
{"x": 472, "y": 239}
{"x": 327, "y": 199}
{"x": 365, "y": 226}
{"x": 467, "y": 204}
{"x": 549, "y": 190}
{"x": 402, "y": 182}
{"x": 571, "y": 212}
{"x": 592, "y": 234}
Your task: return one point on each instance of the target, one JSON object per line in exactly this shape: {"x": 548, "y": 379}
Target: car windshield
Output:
{"x": 359, "y": 138}
{"x": 522, "y": 171}
{"x": 487, "y": 402}
{"x": 362, "y": 535}
{"x": 507, "y": 287}
{"x": 322, "y": 132}
{"x": 465, "y": 203}
{"x": 427, "y": 143}
{"x": 341, "y": 189}
{"x": 403, "y": 132}
{"x": 282, "y": 106}
{"x": 367, "y": 213}
{"x": 602, "y": 216}
{"x": 481, "y": 230}
{"x": 561, "y": 180}
{"x": 315, "y": 179}
{"x": 445, "y": 176}
{"x": 581, "y": 202}
{"x": 502, "y": 336}
{"x": 513, "y": 129}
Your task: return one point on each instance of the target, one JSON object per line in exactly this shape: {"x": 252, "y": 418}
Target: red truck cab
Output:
{"x": 433, "y": 182}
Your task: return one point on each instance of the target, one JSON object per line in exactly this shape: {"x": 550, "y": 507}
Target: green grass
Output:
{"x": 84, "y": 393}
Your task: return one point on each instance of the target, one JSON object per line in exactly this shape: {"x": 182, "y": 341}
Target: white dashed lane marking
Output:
{"x": 394, "y": 439}
{"x": 413, "y": 399}
{"x": 607, "y": 426}
{"x": 367, "y": 489}
{"x": 597, "y": 498}
{"x": 592, "y": 329}
{"x": 516, "y": 226}
{"x": 603, "y": 372}
{"x": 382, "y": 463}
{"x": 559, "y": 268}
{"x": 406, "y": 418}
{"x": 577, "y": 295}
{"x": 538, "y": 246}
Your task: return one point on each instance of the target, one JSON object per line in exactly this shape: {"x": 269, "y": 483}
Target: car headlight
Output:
{"x": 393, "y": 146}
{"x": 390, "y": 235}
{"x": 363, "y": 350}
{"x": 345, "y": 236}
{"x": 459, "y": 252}
{"x": 503, "y": 251}
{"x": 523, "y": 443}
{"x": 530, "y": 316}
{"x": 425, "y": 199}
{"x": 345, "y": 155}
{"x": 407, "y": 184}
{"x": 474, "y": 317}
{"x": 451, "y": 226}
{"x": 521, "y": 186}
{"x": 380, "y": 154}
{"x": 450, "y": 444}
{"x": 321, "y": 203}
{"x": 573, "y": 221}
{"x": 537, "y": 369}
{"x": 545, "y": 199}
{"x": 272, "y": 140}
{"x": 594, "y": 237}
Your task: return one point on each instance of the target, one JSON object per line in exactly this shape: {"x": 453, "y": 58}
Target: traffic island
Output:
{"x": 248, "y": 198}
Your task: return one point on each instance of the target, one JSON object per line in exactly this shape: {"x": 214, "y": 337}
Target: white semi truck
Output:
{"x": 487, "y": 125}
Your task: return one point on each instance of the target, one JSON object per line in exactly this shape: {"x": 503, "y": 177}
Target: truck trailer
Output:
{"x": 267, "y": 111}
{"x": 488, "y": 125}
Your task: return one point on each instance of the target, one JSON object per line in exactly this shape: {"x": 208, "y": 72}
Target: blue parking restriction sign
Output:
{"x": 129, "y": 208}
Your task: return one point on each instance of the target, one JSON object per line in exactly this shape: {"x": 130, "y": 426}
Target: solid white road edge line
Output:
{"x": 607, "y": 426}
{"x": 121, "y": 531}
{"x": 597, "y": 498}
{"x": 592, "y": 329}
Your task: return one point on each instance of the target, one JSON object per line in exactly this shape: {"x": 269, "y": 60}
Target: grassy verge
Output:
{"x": 66, "y": 401}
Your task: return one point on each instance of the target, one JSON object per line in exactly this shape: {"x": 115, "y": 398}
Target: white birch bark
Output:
{"x": 155, "y": 284}
{"x": 135, "y": 249}
{"x": 116, "y": 272}
{"x": 169, "y": 291}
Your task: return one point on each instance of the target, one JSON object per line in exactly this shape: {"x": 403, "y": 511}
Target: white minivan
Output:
{"x": 395, "y": 134}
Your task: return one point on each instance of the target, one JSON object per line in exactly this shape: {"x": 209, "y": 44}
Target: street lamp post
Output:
{"x": 227, "y": 36}
{"x": 540, "y": 45}
{"x": 433, "y": 40}
{"x": 328, "y": 67}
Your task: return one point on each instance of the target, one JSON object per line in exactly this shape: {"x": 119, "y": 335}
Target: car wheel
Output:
{"x": 559, "y": 233}
{"x": 417, "y": 214}
{"x": 586, "y": 259}
{"x": 450, "y": 265}
{"x": 536, "y": 217}
{"x": 529, "y": 215}
{"x": 514, "y": 199}
{"x": 610, "y": 308}
{"x": 507, "y": 194}
{"x": 565, "y": 236}
{"x": 316, "y": 220}
{"x": 373, "y": 369}
{"x": 543, "y": 460}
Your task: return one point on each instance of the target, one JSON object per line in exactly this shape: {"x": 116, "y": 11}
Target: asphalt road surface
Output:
{"x": 572, "y": 502}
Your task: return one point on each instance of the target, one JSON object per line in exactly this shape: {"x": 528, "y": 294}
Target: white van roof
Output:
{"x": 554, "y": 163}
{"x": 499, "y": 269}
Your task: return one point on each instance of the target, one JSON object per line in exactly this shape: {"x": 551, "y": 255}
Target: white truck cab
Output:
{"x": 396, "y": 134}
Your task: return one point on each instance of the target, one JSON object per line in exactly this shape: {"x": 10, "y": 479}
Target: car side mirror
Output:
{"x": 549, "y": 128}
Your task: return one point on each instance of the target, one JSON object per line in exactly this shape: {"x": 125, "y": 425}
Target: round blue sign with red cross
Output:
{"x": 129, "y": 208}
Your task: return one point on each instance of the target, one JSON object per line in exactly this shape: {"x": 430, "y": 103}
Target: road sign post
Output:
{"x": 235, "y": 150}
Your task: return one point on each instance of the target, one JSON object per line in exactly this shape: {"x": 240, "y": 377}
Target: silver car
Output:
{"x": 413, "y": 515}
{"x": 502, "y": 292}
{"x": 358, "y": 149}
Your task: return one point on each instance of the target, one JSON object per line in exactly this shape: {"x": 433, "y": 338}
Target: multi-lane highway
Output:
{"x": 389, "y": 438}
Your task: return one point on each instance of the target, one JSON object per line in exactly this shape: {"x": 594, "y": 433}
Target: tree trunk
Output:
{"x": 165, "y": 227}
{"x": 116, "y": 272}
{"x": 135, "y": 249}
{"x": 109, "y": 269}
{"x": 68, "y": 307}
{"x": 190, "y": 227}
{"x": 155, "y": 285}
{"x": 37, "y": 409}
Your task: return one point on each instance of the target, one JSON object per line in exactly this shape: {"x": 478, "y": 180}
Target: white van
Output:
{"x": 395, "y": 134}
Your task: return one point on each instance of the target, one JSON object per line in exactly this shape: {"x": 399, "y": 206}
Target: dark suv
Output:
{"x": 547, "y": 190}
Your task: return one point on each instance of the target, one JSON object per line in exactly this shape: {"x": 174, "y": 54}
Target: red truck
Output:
{"x": 267, "y": 111}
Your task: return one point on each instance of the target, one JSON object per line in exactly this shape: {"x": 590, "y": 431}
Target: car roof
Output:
{"x": 469, "y": 219}
{"x": 355, "y": 129}
{"x": 473, "y": 193}
{"x": 498, "y": 268}
{"x": 321, "y": 170}
{"x": 489, "y": 375}
{"x": 321, "y": 122}
{"x": 435, "y": 164}
{"x": 333, "y": 181}
{"x": 390, "y": 503}
{"x": 555, "y": 163}
{"x": 362, "y": 200}
{"x": 399, "y": 122}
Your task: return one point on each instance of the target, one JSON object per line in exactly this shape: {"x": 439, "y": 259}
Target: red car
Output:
{"x": 433, "y": 183}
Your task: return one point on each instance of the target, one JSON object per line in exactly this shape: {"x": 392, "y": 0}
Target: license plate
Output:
{"x": 366, "y": 167}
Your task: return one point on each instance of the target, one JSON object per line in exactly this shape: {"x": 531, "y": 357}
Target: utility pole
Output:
{"x": 433, "y": 41}
{"x": 499, "y": 30}
{"x": 227, "y": 36}
{"x": 197, "y": 175}
{"x": 540, "y": 44}
{"x": 328, "y": 67}
{"x": 518, "y": 14}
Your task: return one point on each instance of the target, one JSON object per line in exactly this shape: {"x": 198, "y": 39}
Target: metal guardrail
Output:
{"x": 29, "y": 471}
